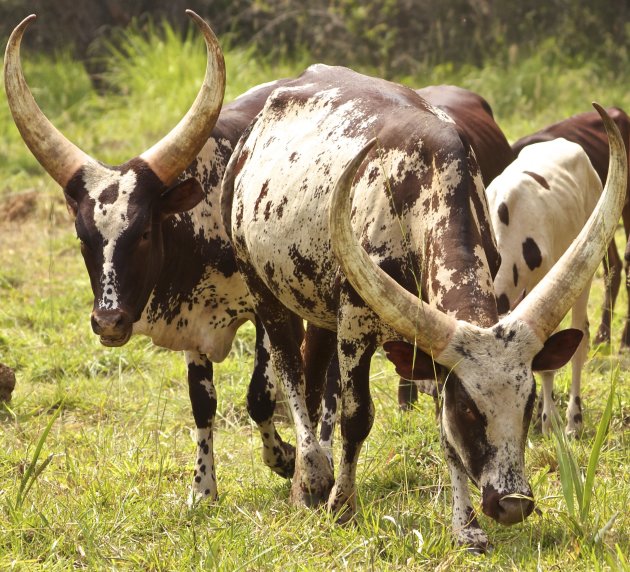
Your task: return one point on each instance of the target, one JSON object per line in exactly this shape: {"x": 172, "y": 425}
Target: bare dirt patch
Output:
{"x": 18, "y": 207}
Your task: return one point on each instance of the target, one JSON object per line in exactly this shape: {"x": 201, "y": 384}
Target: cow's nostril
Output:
{"x": 506, "y": 509}
{"x": 514, "y": 509}
{"x": 109, "y": 322}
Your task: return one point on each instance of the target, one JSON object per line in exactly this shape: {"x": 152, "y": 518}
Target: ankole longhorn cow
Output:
{"x": 538, "y": 205}
{"x": 407, "y": 262}
{"x": 587, "y": 130}
{"x": 158, "y": 257}
{"x": 474, "y": 119}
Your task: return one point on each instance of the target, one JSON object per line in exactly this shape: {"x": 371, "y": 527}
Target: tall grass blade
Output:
{"x": 565, "y": 465}
{"x": 602, "y": 431}
{"x": 33, "y": 471}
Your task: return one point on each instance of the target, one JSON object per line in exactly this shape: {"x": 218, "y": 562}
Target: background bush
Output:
{"x": 392, "y": 36}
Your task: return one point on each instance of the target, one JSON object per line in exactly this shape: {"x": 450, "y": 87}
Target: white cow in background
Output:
{"x": 538, "y": 205}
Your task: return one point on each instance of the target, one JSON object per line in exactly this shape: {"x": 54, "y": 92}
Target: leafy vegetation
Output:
{"x": 97, "y": 444}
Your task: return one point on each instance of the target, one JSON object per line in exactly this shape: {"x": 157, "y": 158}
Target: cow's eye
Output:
{"x": 465, "y": 410}
{"x": 146, "y": 235}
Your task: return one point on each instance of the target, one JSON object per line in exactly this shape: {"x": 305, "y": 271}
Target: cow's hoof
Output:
{"x": 312, "y": 480}
{"x": 574, "y": 431}
{"x": 474, "y": 540}
{"x": 309, "y": 496}
{"x": 602, "y": 337}
{"x": 342, "y": 503}
{"x": 195, "y": 497}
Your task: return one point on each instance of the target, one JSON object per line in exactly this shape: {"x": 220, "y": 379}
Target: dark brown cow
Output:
{"x": 414, "y": 269}
{"x": 587, "y": 130}
{"x": 159, "y": 259}
{"x": 474, "y": 119}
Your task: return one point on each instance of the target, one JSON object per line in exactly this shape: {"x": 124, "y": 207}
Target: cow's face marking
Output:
{"x": 109, "y": 191}
{"x": 119, "y": 227}
{"x": 489, "y": 397}
{"x": 531, "y": 253}
{"x": 515, "y": 274}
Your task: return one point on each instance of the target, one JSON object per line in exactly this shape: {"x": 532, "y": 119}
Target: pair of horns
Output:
{"x": 167, "y": 158}
{"x": 542, "y": 310}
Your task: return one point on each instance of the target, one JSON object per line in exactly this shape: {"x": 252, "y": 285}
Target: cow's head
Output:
{"x": 119, "y": 210}
{"x": 488, "y": 392}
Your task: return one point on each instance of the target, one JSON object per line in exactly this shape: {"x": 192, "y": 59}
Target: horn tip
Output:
{"x": 193, "y": 15}
{"x": 599, "y": 108}
{"x": 30, "y": 18}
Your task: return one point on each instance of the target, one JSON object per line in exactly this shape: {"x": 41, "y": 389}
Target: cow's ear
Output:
{"x": 71, "y": 205}
{"x": 181, "y": 197}
{"x": 558, "y": 350}
{"x": 410, "y": 362}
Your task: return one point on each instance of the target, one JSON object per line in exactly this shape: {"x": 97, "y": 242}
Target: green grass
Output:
{"x": 98, "y": 444}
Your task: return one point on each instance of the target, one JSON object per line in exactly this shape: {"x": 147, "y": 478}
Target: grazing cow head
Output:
{"x": 489, "y": 389}
{"x": 119, "y": 210}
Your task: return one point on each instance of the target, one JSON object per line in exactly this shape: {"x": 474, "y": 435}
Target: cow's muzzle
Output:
{"x": 507, "y": 509}
{"x": 113, "y": 326}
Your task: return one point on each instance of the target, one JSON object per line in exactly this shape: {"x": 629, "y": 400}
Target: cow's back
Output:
{"x": 473, "y": 116}
{"x": 587, "y": 130}
{"x": 538, "y": 205}
{"x": 308, "y": 132}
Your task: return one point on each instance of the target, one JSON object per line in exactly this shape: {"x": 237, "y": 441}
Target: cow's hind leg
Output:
{"x": 203, "y": 399}
{"x": 321, "y": 365}
{"x": 548, "y": 406}
{"x": 612, "y": 282}
{"x": 312, "y": 478}
{"x": 261, "y": 402}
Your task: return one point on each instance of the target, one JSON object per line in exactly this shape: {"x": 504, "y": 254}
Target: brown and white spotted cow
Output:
{"x": 420, "y": 214}
{"x": 587, "y": 130}
{"x": 538, "y": 206}
{"x": 159, "y": 259}
{"x": 474, "y": 120}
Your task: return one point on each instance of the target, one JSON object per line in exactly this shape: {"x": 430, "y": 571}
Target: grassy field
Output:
{"x": 98, "y": 444}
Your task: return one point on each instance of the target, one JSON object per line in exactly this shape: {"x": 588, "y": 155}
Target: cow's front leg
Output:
{"x": 579, "y": 319}
{"x": 466, "y": 529}
{"x": 261, "y": 402}
{"x": 357, "y": 409}
{"x": 203, "y": 398}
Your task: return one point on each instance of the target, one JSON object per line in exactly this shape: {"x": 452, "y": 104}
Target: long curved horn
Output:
{"x": 56, "y": 154}
{"x": 545, "y": 306}
{"x": 170, "y": 156}
{"x": 425, "y": 326}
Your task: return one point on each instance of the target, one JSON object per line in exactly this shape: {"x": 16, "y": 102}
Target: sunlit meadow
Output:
{"x": 97, "y": 444}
